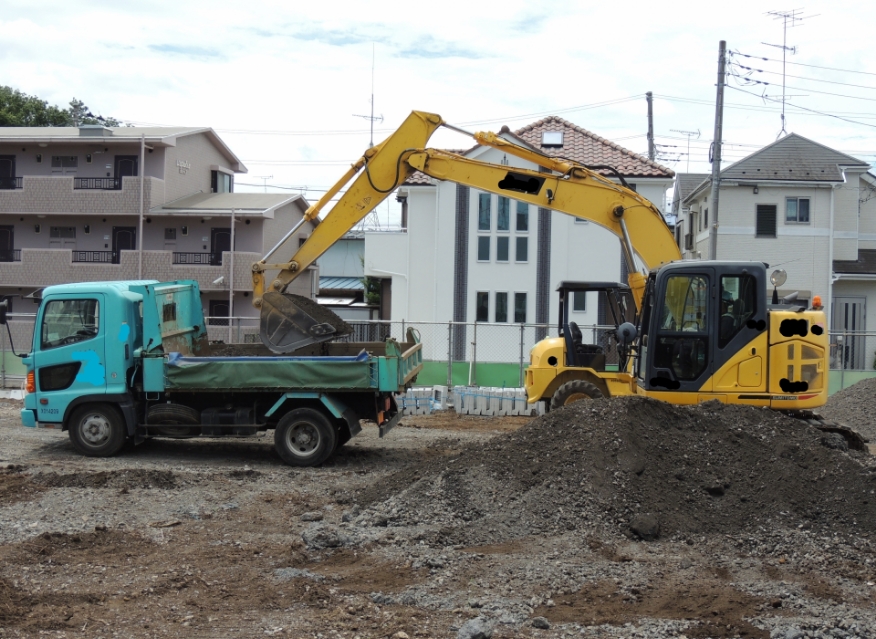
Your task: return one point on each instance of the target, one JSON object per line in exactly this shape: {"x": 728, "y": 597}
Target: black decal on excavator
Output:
{"x": 521, "y": 183}
{"x": 665, "y": 382}
{"x": 793, "y": 387}
{"x": 817, "y": 330}
{"x": 758, "y": 325}
{"x": 790, "y": 327}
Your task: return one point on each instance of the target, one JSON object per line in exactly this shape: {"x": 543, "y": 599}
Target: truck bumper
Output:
{"x": 28, "y": 418}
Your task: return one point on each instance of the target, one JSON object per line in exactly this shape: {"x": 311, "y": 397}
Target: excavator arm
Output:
{"x": 561, "y": 186}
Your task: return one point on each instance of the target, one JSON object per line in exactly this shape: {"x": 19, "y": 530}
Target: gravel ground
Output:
{"x": 616, "y": 518}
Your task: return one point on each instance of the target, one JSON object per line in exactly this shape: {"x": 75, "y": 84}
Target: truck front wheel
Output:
{"x": 574, "y": 391}
{"x": 97, "y": 430}
{"x": 304, "y": 437}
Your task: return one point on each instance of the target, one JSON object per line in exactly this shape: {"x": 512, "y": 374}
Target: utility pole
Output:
{"x": 651, "y": 151}
{"x": 716, "y": 152}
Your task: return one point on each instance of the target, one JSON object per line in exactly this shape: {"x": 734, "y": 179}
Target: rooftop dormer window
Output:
{"x": 552, "y": 138}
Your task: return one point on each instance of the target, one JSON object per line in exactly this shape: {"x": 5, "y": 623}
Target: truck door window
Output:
{"x": 69, "y": 322}
{"x": 683, "y": 331}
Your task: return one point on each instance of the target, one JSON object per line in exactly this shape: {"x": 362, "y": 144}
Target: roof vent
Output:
{"x": 552, "y": 138}
{"x": 94, "y": 131}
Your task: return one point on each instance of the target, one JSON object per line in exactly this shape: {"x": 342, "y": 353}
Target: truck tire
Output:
{"x": 179, "y": 419}
{"x": 305, "y": 437}
{"x": 574, "y": 391}
{"x": 97, "y": 430}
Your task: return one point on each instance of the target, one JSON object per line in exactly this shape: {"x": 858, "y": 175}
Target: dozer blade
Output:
{"x": 290, "y": 322}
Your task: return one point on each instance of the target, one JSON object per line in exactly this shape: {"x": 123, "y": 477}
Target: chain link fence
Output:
{"x": 456, "y": 353}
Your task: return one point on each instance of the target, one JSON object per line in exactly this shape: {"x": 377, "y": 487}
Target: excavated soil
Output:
{"x": 615, "y": 518}
{"x": 856, "y": 407}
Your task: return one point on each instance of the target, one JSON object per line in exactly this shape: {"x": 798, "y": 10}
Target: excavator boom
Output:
{"x": 561, "y": 186}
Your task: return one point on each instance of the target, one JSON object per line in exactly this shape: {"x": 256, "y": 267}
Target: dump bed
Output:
{"x": 380, "y": 366}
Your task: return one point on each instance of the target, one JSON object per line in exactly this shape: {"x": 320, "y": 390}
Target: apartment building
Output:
{"x": 95, "y": 203}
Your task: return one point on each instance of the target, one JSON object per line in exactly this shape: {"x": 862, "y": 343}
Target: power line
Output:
{"x": 764, "y": 97}
{"x": 800, "y": 77}
{"x": 800, "y": 64}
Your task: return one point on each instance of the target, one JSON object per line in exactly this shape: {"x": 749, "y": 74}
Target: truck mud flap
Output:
{"x": 289, "y": 322}
{"x": 394, "y": 419}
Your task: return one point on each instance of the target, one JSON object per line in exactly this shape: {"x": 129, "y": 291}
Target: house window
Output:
{"x": 522, "y": 216}
{"x": 64, "y": 232}
{"x": 484, "y": 221}
{"x": 221, "y": 182}
{"x": 169, "y": 234}
{"x": 522, "y": 254}
{"x": 579, "y": 300}
{"x": 501, "y": 249}
{"x": 482, "y": 307}
{"x": 705, "y": 219}
{"x": 766, "y": 220}
{"x": 484, "y": 249}
{"x": 501, "y": 307}
{"x": 520, "y": 308}
{"x": 797, "y": 210}
{"x": 503, "y": 223}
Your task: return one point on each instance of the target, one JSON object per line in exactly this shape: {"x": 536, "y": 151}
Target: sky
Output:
{"x": 289, "y": 85}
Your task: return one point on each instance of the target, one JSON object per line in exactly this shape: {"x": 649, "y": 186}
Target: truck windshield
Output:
{"x": 69, "y": 322}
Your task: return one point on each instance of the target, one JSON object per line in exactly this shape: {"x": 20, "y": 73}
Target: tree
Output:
{"x": 20, "y": 109}
{"x": 372, "y": 287}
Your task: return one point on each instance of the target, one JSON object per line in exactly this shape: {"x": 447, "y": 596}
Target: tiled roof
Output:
{"x": 579, "y": 145}
{"x": 587, "y": 148}
{"x": 792, "y": 158}
{"x": 685, "y": 183}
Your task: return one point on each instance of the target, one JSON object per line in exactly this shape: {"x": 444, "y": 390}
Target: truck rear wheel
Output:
{"x": 574, "y": 391}
{"x": 97, "y": 430}
{"x": 304, "y": 437}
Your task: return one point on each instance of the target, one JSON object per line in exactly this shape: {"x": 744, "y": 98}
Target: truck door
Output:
{"x": 68, "y": 355}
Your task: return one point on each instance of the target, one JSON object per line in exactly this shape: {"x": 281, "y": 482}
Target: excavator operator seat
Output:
{"x": 589, "y": 355}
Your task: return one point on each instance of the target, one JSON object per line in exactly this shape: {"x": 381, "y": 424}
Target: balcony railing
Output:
{"x": 99, "y": 184}
{"x": 10, "y": 255}
{"x": 9, "y": 183}
{"x": 94, "y": 257}
{"x": 196, "y": 258}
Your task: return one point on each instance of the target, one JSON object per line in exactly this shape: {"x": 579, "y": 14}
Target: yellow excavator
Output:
{"x": 699, "y": 330}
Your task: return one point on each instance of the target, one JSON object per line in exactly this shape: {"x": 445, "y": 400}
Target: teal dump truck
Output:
{"x": 119, "y": 362}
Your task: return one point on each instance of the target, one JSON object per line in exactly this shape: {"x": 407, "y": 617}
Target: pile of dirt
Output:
{"x": 855, "y": 407}
{"x": 639, "y": 467}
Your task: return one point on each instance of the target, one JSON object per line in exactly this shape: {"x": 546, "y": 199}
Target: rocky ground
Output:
{"x": 621, "y": 518}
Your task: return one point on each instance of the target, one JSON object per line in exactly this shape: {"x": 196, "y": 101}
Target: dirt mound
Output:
{"x": 634, "y": 463}
{"x": 855, "y": 406}
{"x": 123, "y": 479}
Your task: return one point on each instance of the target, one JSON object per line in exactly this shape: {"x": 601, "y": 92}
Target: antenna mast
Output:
{"x": 688, "y": 134}
{"x": 789, "y": 19}
{"x": 371, "y": 117}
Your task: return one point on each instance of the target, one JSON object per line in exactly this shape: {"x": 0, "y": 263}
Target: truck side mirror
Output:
{"x": 4, "y": 305}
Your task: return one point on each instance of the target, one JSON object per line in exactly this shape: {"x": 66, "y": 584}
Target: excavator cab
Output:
{"x": 614, "y": 304}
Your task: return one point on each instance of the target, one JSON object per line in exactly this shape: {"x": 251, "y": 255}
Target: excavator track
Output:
{"x": 853, "y": 439}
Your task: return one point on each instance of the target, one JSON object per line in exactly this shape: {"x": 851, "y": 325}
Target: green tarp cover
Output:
{"x": 275, "y": 373}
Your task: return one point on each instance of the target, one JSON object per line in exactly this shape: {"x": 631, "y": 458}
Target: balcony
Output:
{"x": 97, "y": 184}
{"x": 40, "y": 194}
{"x": 10, "y": 255}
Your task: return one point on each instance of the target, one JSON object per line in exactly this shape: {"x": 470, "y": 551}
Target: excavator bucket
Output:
{"x": 290, "y": 322}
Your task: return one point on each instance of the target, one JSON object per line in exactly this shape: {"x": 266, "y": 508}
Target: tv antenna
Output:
{"x": 372, "y": 118}
{"x": 689, "y": 134}
{"x": 789, "y": 19}
{"x": 264, "y": 179}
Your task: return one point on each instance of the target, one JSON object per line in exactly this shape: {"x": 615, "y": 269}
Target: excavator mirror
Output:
{"x": 626, "y": 333}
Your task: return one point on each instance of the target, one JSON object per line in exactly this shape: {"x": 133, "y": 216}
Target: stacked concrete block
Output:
{"x": 493, "y": 402}
{"x": 415, "y": 401}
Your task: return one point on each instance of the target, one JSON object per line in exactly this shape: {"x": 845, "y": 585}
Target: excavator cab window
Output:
{"x": 738, "y": 304}
{"x": 682, "y": 344}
